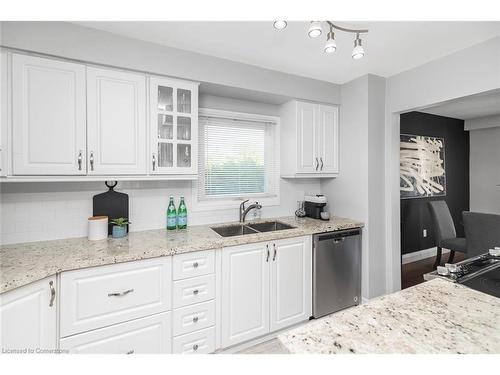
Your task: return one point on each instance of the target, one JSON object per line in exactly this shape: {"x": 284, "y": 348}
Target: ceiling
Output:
{"x": 474, "y": 106}
{"x": 391, "y": 47}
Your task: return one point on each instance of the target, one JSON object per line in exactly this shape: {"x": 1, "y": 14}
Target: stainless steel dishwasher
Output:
{"x": 336, "y": 271}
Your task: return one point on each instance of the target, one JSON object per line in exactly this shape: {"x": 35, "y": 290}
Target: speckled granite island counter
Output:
{"x": 21, "y": 264}
{"x": 434, "y": 317}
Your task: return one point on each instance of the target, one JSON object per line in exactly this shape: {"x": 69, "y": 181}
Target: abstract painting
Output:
{"x": 422, "y": 168}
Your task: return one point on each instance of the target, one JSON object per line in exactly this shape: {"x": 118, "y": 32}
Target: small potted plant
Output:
{"x": 120, "y": 227}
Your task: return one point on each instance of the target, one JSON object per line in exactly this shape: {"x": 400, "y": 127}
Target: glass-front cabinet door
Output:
{"x": 174, "y": 126}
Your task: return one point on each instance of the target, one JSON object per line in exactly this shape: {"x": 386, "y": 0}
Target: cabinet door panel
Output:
{"x": 116, "y": 107}
{"x": 27, "y": 319}
{"x": 307, "y": 115}
{"x": 328, "y": 139}
{"x": 245, "y": 293}
{"x": 48, "y": 103}
{"x": 291, "y": 282}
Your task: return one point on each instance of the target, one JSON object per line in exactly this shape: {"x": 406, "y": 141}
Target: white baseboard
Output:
{"x": 422, "y": 254}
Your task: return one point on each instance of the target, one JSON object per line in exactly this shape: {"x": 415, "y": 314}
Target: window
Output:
{"x": 238, "y": 156}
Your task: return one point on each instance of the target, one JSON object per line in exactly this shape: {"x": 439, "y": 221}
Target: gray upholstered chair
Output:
{"x": 482, "y": 232}
{"x": 444, "y": 231}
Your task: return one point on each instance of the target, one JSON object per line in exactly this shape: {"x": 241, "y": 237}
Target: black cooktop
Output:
{"x": 487, "y": 282}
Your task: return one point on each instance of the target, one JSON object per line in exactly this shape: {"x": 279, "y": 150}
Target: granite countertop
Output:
{"x": 434, "y": 317}
{"x": 21, "y": 264}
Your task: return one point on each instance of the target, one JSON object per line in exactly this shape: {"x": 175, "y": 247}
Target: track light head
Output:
{"x": 280, "y": 25}
{"x": 358, "y": 51}
{"x": 331, "y": 44}
{"x": 315, "y": 29}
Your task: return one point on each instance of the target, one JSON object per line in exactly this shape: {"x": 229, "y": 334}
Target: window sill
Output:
{"x": 231, "y": 203}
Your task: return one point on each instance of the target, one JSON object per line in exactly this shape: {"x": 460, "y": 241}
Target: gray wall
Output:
{"x": 236, "y": 105}
{"x": 358, "y": 192}
{"x": 85, "y": 44}
{"x": 485, "y": 170}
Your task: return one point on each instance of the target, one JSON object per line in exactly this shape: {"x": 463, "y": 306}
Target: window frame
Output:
{"x": 266, "y": 199}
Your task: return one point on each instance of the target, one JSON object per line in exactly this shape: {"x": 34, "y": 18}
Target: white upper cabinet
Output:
{"x": 310, "y": 140}
{"x": 28, "y": 317}
{"x": 328, "y": 135}
{"x": 173, "y": 126}
{"x": 48, "y": 117}
{"x": 116, "y": 122}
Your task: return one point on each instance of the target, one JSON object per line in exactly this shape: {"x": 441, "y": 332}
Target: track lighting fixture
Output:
{"x": 279, "y": 25}
{"x": 330, "y": 45}
{"x": 315, "y": 30}
{"x": 358, "y": 51}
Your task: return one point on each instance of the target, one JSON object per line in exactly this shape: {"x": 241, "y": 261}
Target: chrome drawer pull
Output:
{"x": 275, "y": 252}
{"x": 195, "y": 319}
{"x": 52, "y": 293}
{"x": 267, "y": 257}
{"x": 119, "y": 294}
{"x": 195, "y": 347}
{"x": 195, "y": 264}
{"x": 130, "y": 352}
{"x": 80, "y": 160}
{"x": 196, "y": 291}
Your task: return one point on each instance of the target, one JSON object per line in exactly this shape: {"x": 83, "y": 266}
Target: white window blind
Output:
{"x": 237, "y": 158}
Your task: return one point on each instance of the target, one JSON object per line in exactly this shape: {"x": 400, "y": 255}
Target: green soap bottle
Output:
{"x": 182, "y": 215}
{"x": 171, "y": 215}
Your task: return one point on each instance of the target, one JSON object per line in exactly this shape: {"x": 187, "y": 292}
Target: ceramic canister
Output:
{"x": 97, "y": 228}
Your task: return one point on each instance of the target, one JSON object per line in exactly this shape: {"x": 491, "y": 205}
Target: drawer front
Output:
{"x": 101, "y": 296}
{"x": 192, "y": 318}
{"x": 193, "y": 264}
{"x": 195, "y": 290}
{"x": 199, "y": 342}
{"x": 151, "y": 335}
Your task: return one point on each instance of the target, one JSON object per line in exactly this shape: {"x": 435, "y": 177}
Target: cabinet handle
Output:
{"x": 130, "y": 352}
{"x": 195, "y": 347}
{"x": 154, "y": 161}
{"x": 317, "y": 163}
{"x": 195, "y": 292}
{"x": 195, "y": 264}
{"x": 52, "y": 293}
{"x": 119, "y": 294}
{"x": 80, "y": 160}
{"x": 321, "y": 163}
{"x": 275, "y": 252}
{"x": 267, "y": 248}
{"x": 195, "y": 319}
{"x": 91, "y": 160}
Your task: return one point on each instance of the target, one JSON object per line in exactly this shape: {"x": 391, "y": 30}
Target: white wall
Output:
{"x": 483, "y": 122}
{"x": 85, "y": 44}
{"x": 230, "y": 104}
{"x": 485, "y": 170}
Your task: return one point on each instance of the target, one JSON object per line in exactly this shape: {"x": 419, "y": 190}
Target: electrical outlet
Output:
{"x": 424, "y": 233}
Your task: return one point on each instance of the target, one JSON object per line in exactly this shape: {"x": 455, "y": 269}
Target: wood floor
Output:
{"x": 413, "y": 273}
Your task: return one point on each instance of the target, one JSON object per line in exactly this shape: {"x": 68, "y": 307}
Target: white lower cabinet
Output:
{"x": 150, "y": 335}
{"x": 28, "y": 317}
{"x": 265, "y": 287}
{"x": 194, "y": 317}
{"x": 199, "y": 342}
{"x": 97, "y": 297}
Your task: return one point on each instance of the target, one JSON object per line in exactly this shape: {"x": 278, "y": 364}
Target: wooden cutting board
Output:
{"x": 111, "y": 204}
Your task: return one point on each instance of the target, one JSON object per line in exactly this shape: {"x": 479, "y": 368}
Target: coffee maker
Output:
{"x": 314, "y": 205}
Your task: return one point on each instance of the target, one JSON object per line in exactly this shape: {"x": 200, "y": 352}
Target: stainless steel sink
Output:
{"x": 233, "y": 230}
{"x": 242, "y": 229}
{"x": 270, "y": 226}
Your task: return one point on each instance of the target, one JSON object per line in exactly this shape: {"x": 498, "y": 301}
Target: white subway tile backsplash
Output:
{"x": 46, "y": 211}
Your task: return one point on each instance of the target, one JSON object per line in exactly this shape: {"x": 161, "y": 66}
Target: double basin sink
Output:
{"x": 251, "y": 228}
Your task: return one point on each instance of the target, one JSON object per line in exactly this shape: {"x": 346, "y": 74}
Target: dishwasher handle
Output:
{"x": 337, "y": 237}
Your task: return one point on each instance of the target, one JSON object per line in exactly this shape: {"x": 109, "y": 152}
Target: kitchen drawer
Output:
{"x": 192, "y": 318}
{"x": 193, "y": 264}
{"x": 151, "y": 335}
{"x": 97, "y": 297}
{"x": 199, "y": 342}
{"x": 194, "y": 290}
